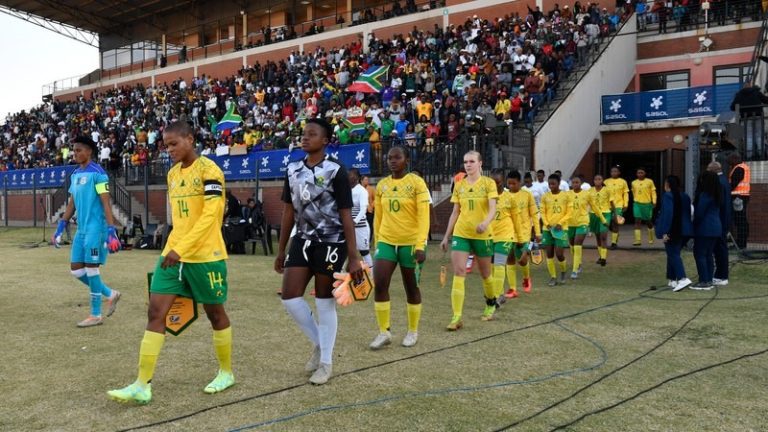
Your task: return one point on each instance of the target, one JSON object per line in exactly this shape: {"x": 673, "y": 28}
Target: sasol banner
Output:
{"x": 273, "y": 163}
{"x": 668, "y": 104}
{"x": 40, "y": 178}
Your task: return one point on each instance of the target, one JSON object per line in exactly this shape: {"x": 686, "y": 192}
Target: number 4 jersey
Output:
{"x": 197, "y": 211}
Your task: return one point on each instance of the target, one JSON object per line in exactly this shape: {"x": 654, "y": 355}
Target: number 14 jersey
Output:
{"x": 196, "y": 194}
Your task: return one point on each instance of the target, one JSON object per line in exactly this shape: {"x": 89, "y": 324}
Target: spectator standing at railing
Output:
{"x": 641, "y": 10}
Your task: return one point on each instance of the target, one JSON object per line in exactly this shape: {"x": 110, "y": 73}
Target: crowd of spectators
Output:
{"x": 479, "y": 75}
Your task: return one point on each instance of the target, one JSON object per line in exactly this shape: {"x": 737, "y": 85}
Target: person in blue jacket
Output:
{"x": 707, "y": 228}
{"x": 726, "y": 209}
{"x": 674, "y": 227}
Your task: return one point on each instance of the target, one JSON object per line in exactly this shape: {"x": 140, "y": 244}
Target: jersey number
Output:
{"x": 557, "y": 209}
{"x": 471, "y": 204}
{"x": 215, "y": 278}
{"x": 498, "y": 215}
{"x": 394, "y": 206}
{"x": 183, "y": 208}
{"x": 332, "y": 255}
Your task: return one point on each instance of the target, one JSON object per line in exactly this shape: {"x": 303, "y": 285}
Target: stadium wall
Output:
{"x": 685, "y": 43}
{"x": 566, "y": 137}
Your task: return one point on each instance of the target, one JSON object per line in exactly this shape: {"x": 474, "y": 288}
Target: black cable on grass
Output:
{"x": 659, "y": 385}
{"x": 640, "y": 295}
{"x": 614, "y": 371}
{"x": 387, "y": 363}
{"x": 441, "y": 392}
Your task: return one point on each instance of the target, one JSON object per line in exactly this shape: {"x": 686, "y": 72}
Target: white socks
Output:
{"x": 302, "y": 314}
{"x": 328, "y": 323}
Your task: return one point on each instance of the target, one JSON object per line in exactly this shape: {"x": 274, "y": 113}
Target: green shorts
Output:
{"x": 501, "y": 251}
{"x": 521, "y": 249}
{"x": 596, "y": 226}
{"x": 642, "y": 211}
{"x": 502, "y": 248}
{"x": 548, "y": 240}
{"x": 577, "y": 230}
{"x": 204, "y": 282}
{"x": 481, "y": 248}
{"x": 618, "y": 211}
{"x": 403, "y": 255}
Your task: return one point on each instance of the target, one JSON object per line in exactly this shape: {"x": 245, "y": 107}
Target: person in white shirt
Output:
{"x": 104, "y": 155}
{"x": 539, "y": 187}
{"x": 564, "y": 186}
{"x": 359, "y": 207}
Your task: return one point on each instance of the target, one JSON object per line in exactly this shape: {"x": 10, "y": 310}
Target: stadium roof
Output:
{"x": 102, "y": 17}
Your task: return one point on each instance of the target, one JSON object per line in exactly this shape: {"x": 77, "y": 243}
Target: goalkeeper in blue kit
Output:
{"x": 96, "y": 233}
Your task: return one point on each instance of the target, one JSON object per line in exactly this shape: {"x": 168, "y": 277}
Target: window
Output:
{"x": 732, "y": 74}
{"x": 665, "y": 80}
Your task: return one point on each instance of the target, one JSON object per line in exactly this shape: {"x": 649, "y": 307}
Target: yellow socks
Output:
{"x": 382, "y": 310}
{"x": 551, "y": 267}
{"x": 151, "y": 345}
{"x": 603, "y": 252}
{"x": 563, "y": 266}
{"x": 638, "y": 236}
{"x": 414, "y": 315}
{"x": 488, "y": 288}
{"x": 512, "y": 277}
{"x": 526, "y": 270}
{"x": 222, "y": 343}
{"x": 577, "y": 254}
{"x": 499, "y": 274}
{"x": 615, "y": 238}
{"x": 651, "y": 235}
{"x": 457, "y": 295}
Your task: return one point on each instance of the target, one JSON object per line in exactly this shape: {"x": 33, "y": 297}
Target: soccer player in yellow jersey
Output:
{"x": 469, "y": 228}
{"x": 578, "y": 224}
{"x": 556, "y": 210}
{"x": 507, "y": 232}
{"x": 620, "y": 194}
{"x": 401, "y": 223}
{"x": 603, "y": 205}
{"x": 529, "y": 223}
{"x": 644, "y": 194}
{"x": 193, "y": 263}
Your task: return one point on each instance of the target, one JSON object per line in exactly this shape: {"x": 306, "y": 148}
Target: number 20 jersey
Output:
{"x": 317, "y": 194}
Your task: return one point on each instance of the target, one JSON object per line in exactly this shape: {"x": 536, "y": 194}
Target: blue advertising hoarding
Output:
{"x": 273, "y": 163}
{"x": 41, "y": 178}
{"x": 667, "y": 104}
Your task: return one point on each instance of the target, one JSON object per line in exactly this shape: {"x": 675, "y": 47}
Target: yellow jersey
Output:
{"x": 644, "y": 191}
{"x": 556, "y": 209}
{"x": 197, "y": 200}
{"x": 619, "y": 191}
{"x": 473, "y": 200}
{"x": 603, "y": 199}
{"x": 506, "y": 223}
{"x": 401, "y": 211}
{"x": 529, "y": 214}
{"x": 581, "y": 202}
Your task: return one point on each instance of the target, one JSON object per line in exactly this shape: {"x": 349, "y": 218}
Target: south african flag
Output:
{"x": 372, "y": 81}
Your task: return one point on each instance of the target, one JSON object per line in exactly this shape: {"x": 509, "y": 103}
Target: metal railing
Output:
{"x": 120, "y": 196}
{"x": 756, "y": 62}
{"x": 719, "y": 13}
{"x": 752, "y": 122}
